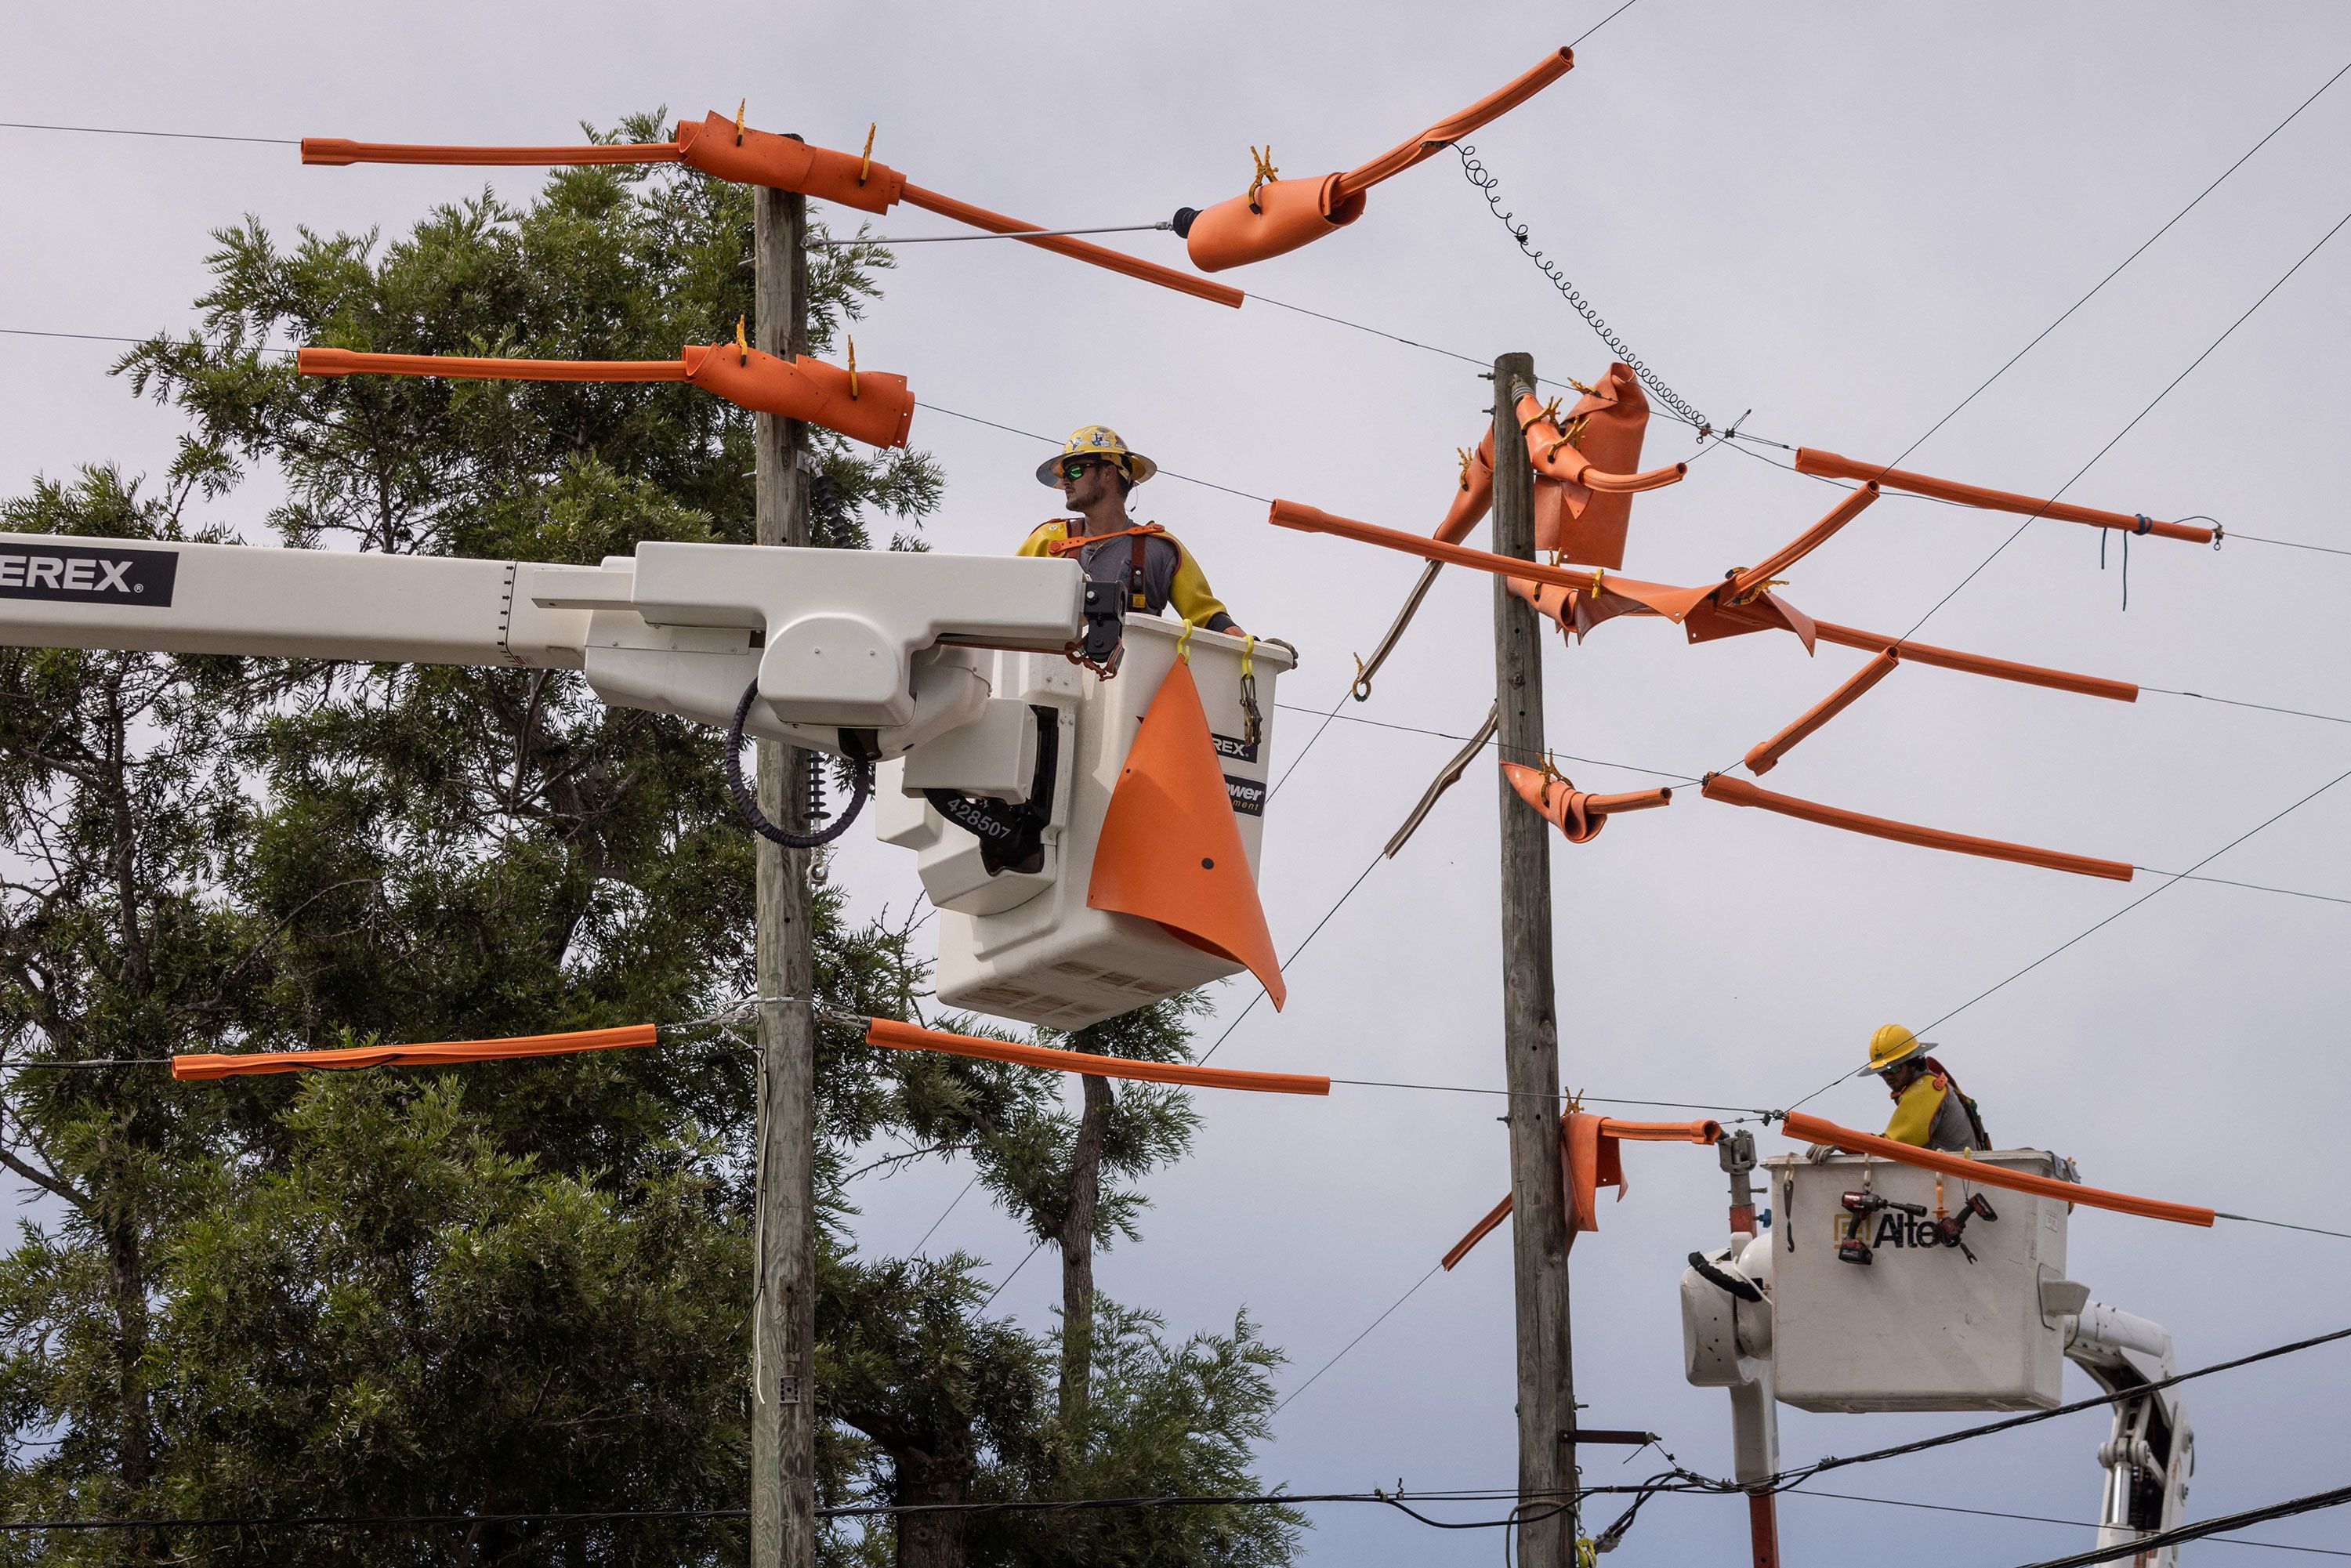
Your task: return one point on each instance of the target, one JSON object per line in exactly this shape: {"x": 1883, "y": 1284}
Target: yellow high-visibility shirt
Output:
{"x": 1914, "y": 1113}
{"x": 1171, "y": 576}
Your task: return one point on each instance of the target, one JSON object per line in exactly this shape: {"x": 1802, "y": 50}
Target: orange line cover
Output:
{"x": 1976, "y": 664}
{"x": 1765, "y": 756}
{"x": 1276, "y": 216}
{"x": 1572, "y": 811}
{"x": 1829, "y": 465}
{"x": 909, "y": 1037}
{"x": 874, "y": 407}
{"x": 1815, "y": 1130}
{"x": 1737, "y": 792}
{"x": 245, "y": 1063}
{"x": 1589, "y": 1161}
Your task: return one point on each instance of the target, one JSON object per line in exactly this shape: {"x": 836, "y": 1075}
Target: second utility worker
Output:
{"x": 1930, "y": 1111}
{"x": 1094, "y": 473}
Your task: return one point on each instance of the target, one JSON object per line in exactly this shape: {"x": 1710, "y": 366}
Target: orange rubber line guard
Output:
{"x": 1763, "y": 758}
{"x": 1815, "y": 1130}
{"x": 1739, "y": 792}
{"x": 241, "y": 1064}
{"x": 1976, "y": 664}
{"x": 900, "y": 1035}
{"x": 1075, "y": 249}
{"x": 1830, "y": 465}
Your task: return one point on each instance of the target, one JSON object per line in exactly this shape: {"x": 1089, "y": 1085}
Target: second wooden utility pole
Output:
{"x": 783, "y": 1313}
{"x": 1539, "y": 1198}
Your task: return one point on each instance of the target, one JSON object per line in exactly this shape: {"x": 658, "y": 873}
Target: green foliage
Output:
{"x": 520, "y": 1286}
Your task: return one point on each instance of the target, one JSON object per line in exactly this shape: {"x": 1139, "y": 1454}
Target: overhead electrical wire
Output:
{"x": 2047, "y": 1519}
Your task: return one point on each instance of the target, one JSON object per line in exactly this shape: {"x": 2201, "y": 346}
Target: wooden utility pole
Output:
{"x": 1539, "y": 1216}
{"x": 783, "y": 1314}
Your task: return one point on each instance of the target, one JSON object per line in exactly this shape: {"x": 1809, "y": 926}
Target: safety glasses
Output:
{"x": 1076, "y": 468}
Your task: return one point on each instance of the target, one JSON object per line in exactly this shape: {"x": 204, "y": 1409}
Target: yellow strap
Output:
{"x": 1265, "y": 171}
{"x": 1249, "y": 643}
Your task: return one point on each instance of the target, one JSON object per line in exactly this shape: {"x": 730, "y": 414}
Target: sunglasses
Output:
{"x": 1075, "y": 468}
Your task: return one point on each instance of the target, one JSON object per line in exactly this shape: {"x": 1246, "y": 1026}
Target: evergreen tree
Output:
{"x": 511, "y": 1288}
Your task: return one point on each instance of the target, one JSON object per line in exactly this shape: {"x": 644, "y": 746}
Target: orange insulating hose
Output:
{"x": 1829, "y": 465}
{"x": 338, "y": 150}
{"x": 1576, "y": 812}
{"x": 1555, "y": 459}
{"x": 1076, "y": 249}
{"x": 1578, "y": 1131}
{"x": 1736, "y": 792}
{"x": 352, "y": 362}
{"x": 1976, "y": 664}
{"x": 1312, "y": 520}
{"x": 875, "y": 407}
{"x": 1803, "y": 544}
{"x": 910, "y": 1037}
{"x": 1815, "y": 1130}
{"x": 247, "y": 1063}
{"x": 1444, "y": 132}
{"x": 1763, "y": 758}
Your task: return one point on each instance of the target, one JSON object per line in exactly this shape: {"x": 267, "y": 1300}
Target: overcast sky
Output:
{"x": 1841, "y": 217}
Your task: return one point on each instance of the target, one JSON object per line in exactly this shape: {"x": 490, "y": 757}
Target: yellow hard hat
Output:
{"x": 1097, "y": 441}
{"x": 1892, "y": 1045}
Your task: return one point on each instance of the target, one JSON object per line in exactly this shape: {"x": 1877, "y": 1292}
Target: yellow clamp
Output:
{"x": 865, "y": 158}
{"x": 741, "y": 105}
{"x": 853, "y": 370}
{"x": 1265, "y": 172}
{"x": 1465, "y": 466}
{"x": 1184, "y": 645}
{"x": 1759, "y": 590}
{"x": 742, "y": 343}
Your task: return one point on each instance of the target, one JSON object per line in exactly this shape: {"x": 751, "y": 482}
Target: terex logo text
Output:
{"x": 113, "y": 575}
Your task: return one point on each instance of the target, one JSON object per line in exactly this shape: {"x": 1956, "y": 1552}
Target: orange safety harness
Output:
{"x": 1137, "y": 591}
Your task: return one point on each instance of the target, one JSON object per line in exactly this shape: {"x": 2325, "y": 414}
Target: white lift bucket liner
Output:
{"x": 1919, "y": 1327}
{"x": 1027, "y": 946}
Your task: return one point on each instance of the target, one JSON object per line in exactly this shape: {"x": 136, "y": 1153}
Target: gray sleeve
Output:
{"x": 1952, "y": 1131}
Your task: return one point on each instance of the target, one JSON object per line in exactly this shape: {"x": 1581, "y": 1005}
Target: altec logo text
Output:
{"x": 113, "y": 576}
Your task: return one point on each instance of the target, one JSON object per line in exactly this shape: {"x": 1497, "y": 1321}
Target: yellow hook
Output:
{"x": 865, "y": 158}
{"x": 741, "y": 105}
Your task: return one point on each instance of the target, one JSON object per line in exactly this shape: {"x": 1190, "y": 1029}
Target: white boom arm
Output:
{"x": 837, "y": 640}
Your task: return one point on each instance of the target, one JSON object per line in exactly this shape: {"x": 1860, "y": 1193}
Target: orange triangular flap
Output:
{"x": 1578, "y": 814}
{"x": 1170, "y": 850}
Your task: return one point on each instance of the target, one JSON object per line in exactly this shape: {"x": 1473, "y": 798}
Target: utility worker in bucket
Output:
{"x": 1930, "y": 1111}
{"x": 1094, "y": 473}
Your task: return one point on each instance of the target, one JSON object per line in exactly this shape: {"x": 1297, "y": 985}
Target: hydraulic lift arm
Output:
{"x": 852, "y": 651}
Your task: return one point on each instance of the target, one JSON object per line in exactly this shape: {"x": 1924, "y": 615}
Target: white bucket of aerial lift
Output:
{"x": 1919, "y": 1327}
{"x": 1028, "y": 946}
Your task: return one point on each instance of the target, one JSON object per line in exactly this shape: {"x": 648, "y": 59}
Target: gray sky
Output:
{"x": 1841, "y": 216}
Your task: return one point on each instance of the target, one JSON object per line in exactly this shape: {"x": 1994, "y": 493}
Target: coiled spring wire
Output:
{"x": 1488, "y": 183}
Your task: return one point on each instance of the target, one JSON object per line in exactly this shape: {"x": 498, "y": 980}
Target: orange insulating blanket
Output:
{"x": 1076, "y": 249}
{"x": 1590, "y": 457}
{"x": 247, "y": 1063}
{"x": 1170, "y": 850}
{"x": 711, "y": 144}
{"x": 1736, "y": 792}
{"x": 1279, "y": 215}
{"x": 1815, "y": 1130}
{"x": 1579, "y": 815}
{"x": 1473, "y": 494}
{"x": 1589, "y": 1161}
{"x": 870, "y": 406}
{"x": 907, "y": 1036}
{"x": 1765, "y": 757}
{"x": 1829, "y": 465}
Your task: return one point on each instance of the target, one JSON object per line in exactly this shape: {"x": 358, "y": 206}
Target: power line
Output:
{"x": 1294, "y": 952}
{"x": 2209, "y": 349}
{"x": 2045, "y": 1519}
{"x": 1359, "y": 1339}
{"x": 2186, "y": 1533}
{"x": 168, "y": 135}
{"x": 2263, "y": 707}
{"x": 1449, "y": 735}
{"x": 2176, "y": 878}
